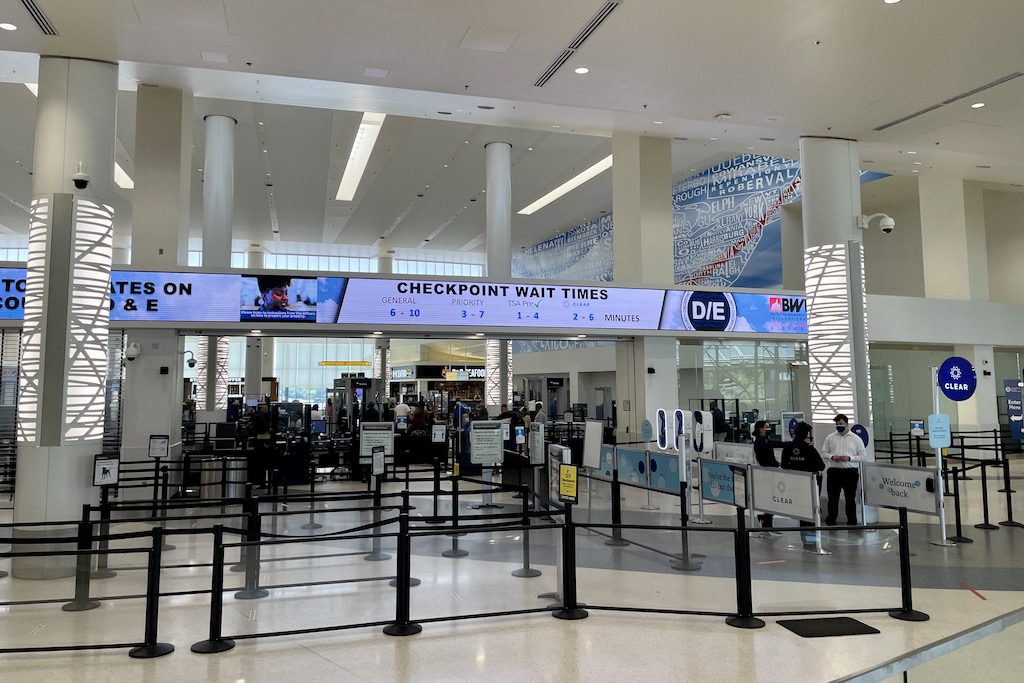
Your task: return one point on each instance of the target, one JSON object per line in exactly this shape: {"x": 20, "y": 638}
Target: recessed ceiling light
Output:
{"x": 910, "y": 151}
{"x": 581, "y": 70}
{"x": 657, "y": 122}
{"x": 445, "y": 113}
{"x": 8, "y": 27}
{"x": 750, "y": 148}
{"x": 555, "y": 126}
{"x": 260, "y": 122}
{"x": 890, "y": 2}
{"x": 917, "y": 163}
{"x": 983, "y": 166}
{"x": 529, "y": 149}
{"x": 255, "y": 331}
{"x": 465, "y": 142}
{"x": 580, "y": 336}
{"x": 712, "y": 138}
{"x": 568, "y": 186}
{"x": 485, "y": 107}
{"x": 977, "y": 105}
{"x": 915, "y": 171}
{"x": 446, "y": 165}
{"x": 378, "y": 333}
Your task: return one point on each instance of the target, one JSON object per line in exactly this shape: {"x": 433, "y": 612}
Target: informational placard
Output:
{"x": 376, "y": 434}
{"x": 736, "y": 453}
{"x": 593, "y": 435}
{"x": 567, "y": 416}
{"x": 486, "y": 442}
{"x": 783, "y": 492}
{"x": 938, "y": 430}
{"x": 105, "y": 470}
{"x": 506, "y": 430}
{"x": 378, "y": 456}
{"x": 917, "y": 427}
{"x": 567, "y": 480}
{"x": 159, "y": 445}
{"x": 402, "y": 423}
{"x": 520, "y": 434}
{"x": 901, "y": 486}
{"x": 789, "y": 420}
{"x": 719, "y": 480}
{"x": 537, "y": 443}
{"x": 1012, "y": 391}
{"x": 438, "y": 433}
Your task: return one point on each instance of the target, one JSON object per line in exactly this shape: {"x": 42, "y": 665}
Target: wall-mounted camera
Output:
{"x": 80, "y": 178}
{"x": 191, "y": 362}
{"x": 885, "y": 222}
{"x": 132, "y": 351}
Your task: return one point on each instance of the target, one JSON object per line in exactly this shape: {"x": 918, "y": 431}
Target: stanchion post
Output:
{"x": 151, "y": 647}
{"x": 312, "y": 524}
{"x": 684, "y": 563}
{"x": 216, "y": 643}
{"x": 103, "y": 570}
{"x": 1009, "y": 497}
{"x": 402, "y": 626}
{"x": 570, "y": 609}
{"x": 616, "y": 539}
{"x": 223, "y": 477}
{"x": 986, "y": 524}
{"x": 156, "y": 486}
{"x": 375, "y": 554}
{"x": 164, "y": 476}
{"x": 744, "y": 617}
{"x": 435, "y": 518}
{"x": 253, "y": 533}
{"x": 959, "y": 537}
{"x": 907, "y": 611}
{"x": 83, "y": 567}
{"x": 526, "y": 571}
{"x": 455, "y": 550}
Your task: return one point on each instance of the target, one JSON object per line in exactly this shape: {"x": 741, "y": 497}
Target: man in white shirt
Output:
{"x": 842, "y": 453}
{"x": 402, "y": 411}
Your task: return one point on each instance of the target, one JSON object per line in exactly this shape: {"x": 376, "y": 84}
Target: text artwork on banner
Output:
{"x": 784, "y": 492}
{"x": 901, "y": 486}
{"x": 567, "y": 483}
{"x": 537, "y": 443}
{"x": 1012, "y": 390}
{"x": 957, "y": 379}
{"x": 486, "y": 442}
{"x": 938, "y": 431}
{"x": 105, "y": 470}
{"x": 718, "y": 481}
{"x": 373, "y": 434}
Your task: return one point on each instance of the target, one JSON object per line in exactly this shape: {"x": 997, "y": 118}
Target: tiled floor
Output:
{"x": 959, "y": 587}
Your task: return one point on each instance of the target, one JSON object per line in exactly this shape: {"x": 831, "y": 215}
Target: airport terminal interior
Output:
{"x": 386, "y": 340}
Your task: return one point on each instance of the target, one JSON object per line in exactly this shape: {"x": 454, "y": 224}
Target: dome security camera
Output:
{"x": 191, "y": 362}
{"x": 132, "y": 351}
{"x": 80, "y": 178}
{"x": 887, "y": 224}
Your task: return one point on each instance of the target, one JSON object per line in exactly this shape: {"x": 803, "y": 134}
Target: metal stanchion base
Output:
{"x": 685, "y": 565}
{"x": 570, "y": 614}
{"x": 402, "y": 629}
{"x": 150, "y": 651}
{"x": 455, "y": 552}
{"x": 486, "y": 506}
{"x": 700, "y": 520}
{"x": 617, "y": 542}
{"x": 212, "y": 647}
{"x": 814, "y": 550}
{"x": 312, "y": 525}
{"x": 80, "y": 605}
{"x": 432, "y": 520}
{"x": 908, "y": 615}
{"x": 650, "y": 507}
{"x": 944, "y": 543}
{"x": 168, "y": 546}
{"x": 1013, "y": 524}
{"x": 376, "y": 557}
{"x": 240, "y": 567}
{"x": 254, "y": 594}
{"x": 97, "y": 574}
{"x": 986, "y": 526}
{"x": 412, "y": 582}
{"x": 1004, "y": 491}
{"x": 960, "y": 539}
{"x": 744, "y": 622}
{"x": 552, "y": 595}
{"x": 526, "y": 572}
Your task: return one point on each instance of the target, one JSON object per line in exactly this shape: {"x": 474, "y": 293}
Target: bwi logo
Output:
{"x": 779, "y": 304}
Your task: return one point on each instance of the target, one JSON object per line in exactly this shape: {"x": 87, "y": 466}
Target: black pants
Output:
{"x": 842, "y": 479}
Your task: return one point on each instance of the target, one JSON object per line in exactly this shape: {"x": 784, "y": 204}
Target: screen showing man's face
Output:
{"x": 276, "y": 298}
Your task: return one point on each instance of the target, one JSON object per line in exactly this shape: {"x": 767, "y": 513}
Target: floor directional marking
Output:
{"x": 968, "y": 587}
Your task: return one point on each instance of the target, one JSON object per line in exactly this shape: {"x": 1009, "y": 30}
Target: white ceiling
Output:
{"x": 781, "y": 69}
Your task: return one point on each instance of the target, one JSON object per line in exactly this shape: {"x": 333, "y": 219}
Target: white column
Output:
{"x": 218, "y": 191}
{"x": 498, "y": 376}
{"x": 64, "y": 342}
{"x": 163, "y": 177}
{"x": 254, "y": 256}
{"x": 837, "y": 345}
{"x": 253, "y": 367}
{"x": 151, "y": 395}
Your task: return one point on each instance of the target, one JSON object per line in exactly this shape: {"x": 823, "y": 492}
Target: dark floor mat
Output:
{"x": 832, "y": 626}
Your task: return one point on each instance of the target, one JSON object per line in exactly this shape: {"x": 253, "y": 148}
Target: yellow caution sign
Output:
{"x": 567, "y": 483}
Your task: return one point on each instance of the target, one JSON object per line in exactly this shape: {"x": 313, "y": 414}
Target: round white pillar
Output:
{"x": 218, "y": 191}
{"x": 499, "y": 211}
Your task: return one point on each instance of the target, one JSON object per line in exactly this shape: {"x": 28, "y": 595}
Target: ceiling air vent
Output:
{"x": 951, "y": 100}
{"x": 578, "y": 41}
{"x": 40, "y": 18}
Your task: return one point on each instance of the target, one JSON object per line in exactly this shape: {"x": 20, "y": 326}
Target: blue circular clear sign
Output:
{"x": 957, "y": 379}
{"x": 861, "y": 431}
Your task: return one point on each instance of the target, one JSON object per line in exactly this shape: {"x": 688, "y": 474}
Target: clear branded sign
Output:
{"x": 862, "y": 432}
{"x": 142, "y": 296}
{"x": 1012, "y": 391}
{"x": 721, "y": 482}
{"x": 957, "y": 379}
{"x": 901, "y": 486}
{"x": 938, "y": 430}
{"x": 783, "y": 492}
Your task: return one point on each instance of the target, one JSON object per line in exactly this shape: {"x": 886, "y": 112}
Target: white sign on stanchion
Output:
{"x": 375, "y": 434}
{"x": 902, "y": 486}
{"x": 486, "y": 442}
{"x": 537, "y": 443}
{"x": 784, "y": 492}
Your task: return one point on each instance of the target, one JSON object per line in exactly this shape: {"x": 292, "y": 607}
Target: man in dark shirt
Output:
{"x": 764, "y": 454}
{"x": 800, "y": 454}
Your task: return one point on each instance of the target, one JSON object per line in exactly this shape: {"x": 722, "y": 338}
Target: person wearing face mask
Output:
{"x": 842, "y": 452}
{"x": 801, "y": 455}
{"x": 764, "y": 454}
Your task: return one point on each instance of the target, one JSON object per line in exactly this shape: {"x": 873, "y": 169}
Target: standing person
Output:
{"x": 843, "y": 452}
{"x": 402, "y": 411}
{"x": 801, "y": 455}
{"x": 541, "y": 416}
{"x": 719, "y": 425}
{"x": 764, "y": 454}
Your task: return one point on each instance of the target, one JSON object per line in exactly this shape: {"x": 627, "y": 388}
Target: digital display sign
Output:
{"x": 142, "y": 296}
